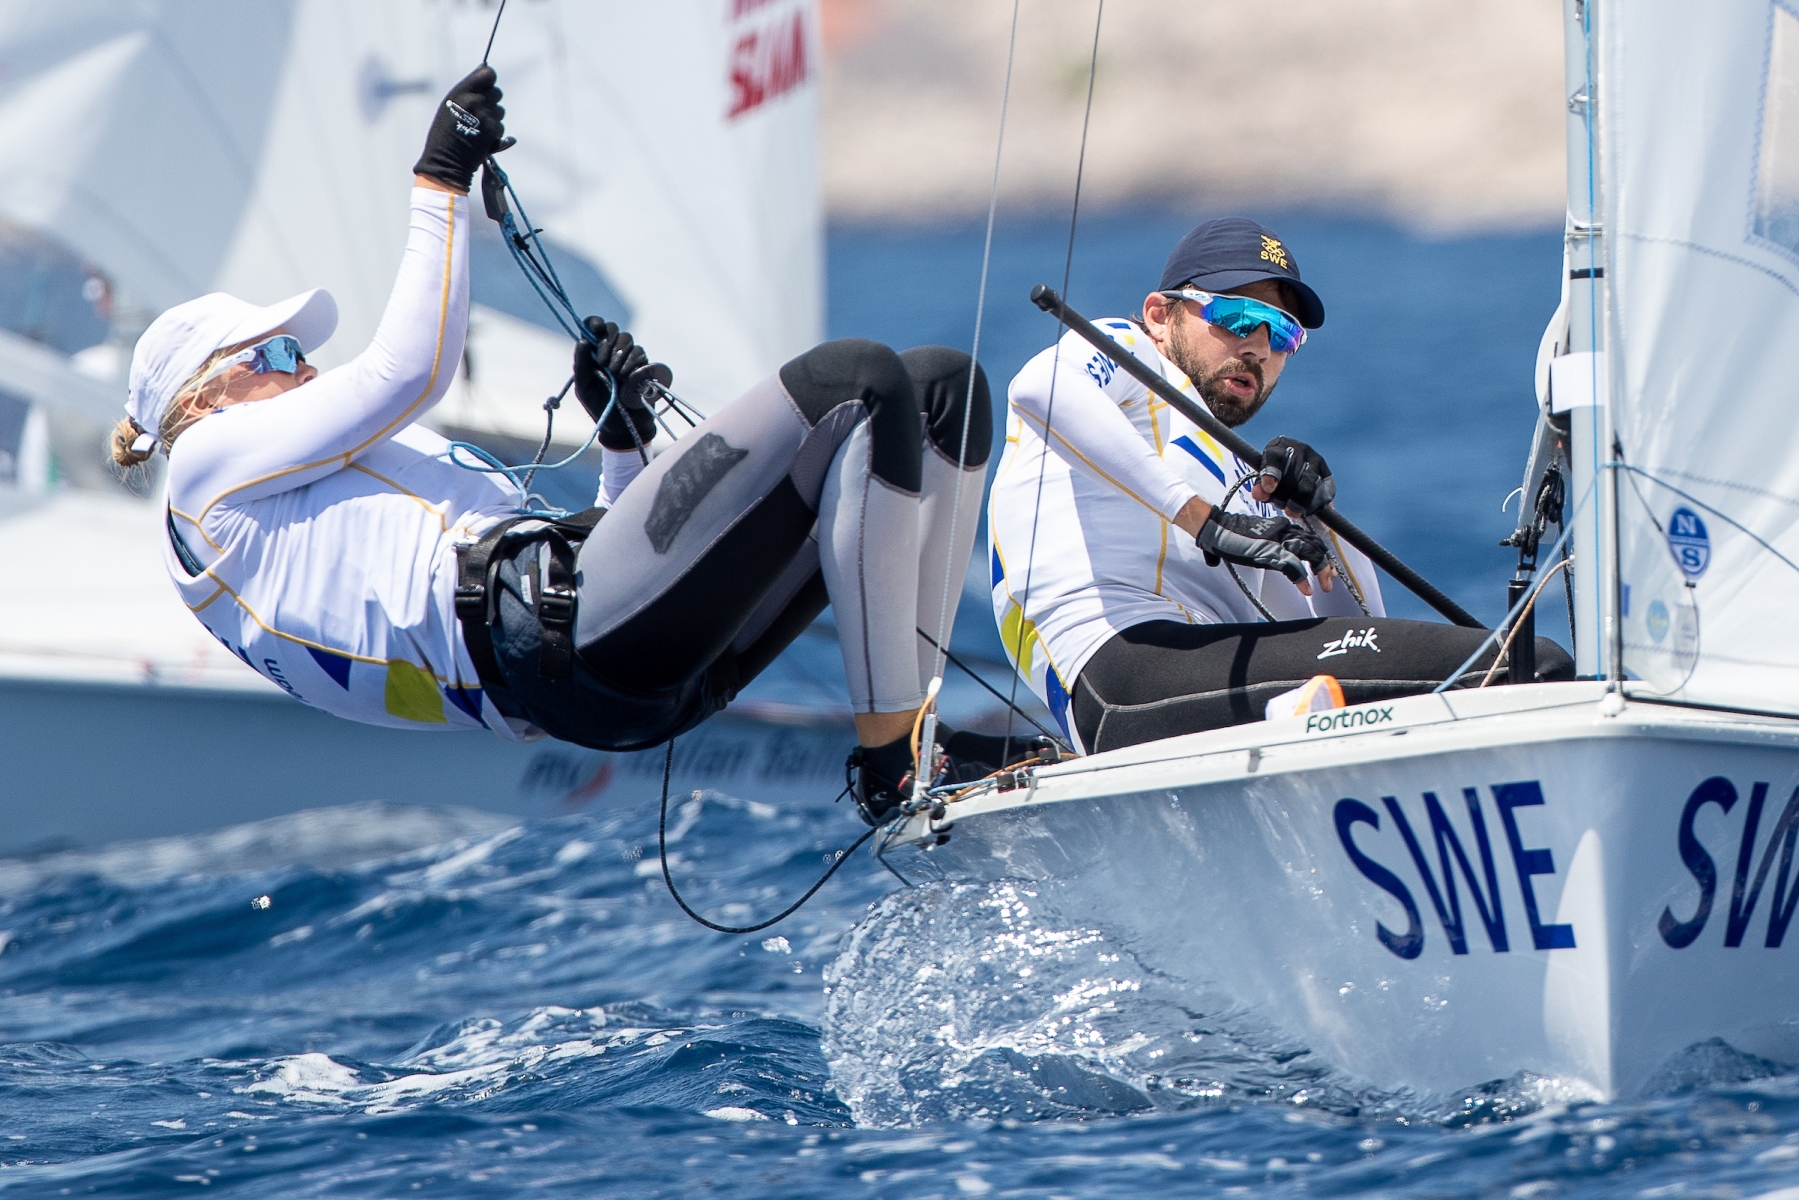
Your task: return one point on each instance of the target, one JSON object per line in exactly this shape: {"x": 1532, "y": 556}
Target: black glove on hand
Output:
{"x": 469, "y": 126}
{"x": 1273, "y": 543}
{"x": 616, "y": 354}
{"x": 1302, "y": 477}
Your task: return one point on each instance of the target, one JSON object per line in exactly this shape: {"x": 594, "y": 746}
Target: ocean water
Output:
{"x": 522, "y": 1010}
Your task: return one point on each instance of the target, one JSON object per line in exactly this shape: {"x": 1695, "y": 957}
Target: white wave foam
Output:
{"x": 474, "y": 1062}
{"x": 729, "y": 1113}
{"x": 959, "y": 1001}
{"x": 307, "y": 1078}
{"x": 327, "y": 838}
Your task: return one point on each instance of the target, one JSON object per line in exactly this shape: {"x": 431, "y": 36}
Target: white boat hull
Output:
{"x": 90, "y": 763}
{"x": 1266, "y": 860}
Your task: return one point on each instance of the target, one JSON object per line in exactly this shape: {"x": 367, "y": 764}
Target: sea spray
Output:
{"x": 966, "y": 1001}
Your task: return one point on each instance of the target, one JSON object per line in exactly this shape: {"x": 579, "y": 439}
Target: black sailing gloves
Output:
{"x": 1301, "y": 477}
{"x": 1273, "y": 543}
{"x": 614, "y": 353}
{"x": 468, "y": 127}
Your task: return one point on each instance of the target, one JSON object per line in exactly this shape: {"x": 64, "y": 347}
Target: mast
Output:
{"x": 1583, "y": 381}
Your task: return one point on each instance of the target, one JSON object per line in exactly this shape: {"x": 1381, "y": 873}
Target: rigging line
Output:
{"x": 995, "y": 692}
{"x": 1519, "y": 624}
{"x": 1231, "y": 567}
{"x": 493, "y": 33}
{"x": 1049, "y": 412}
{"x": 1511, "y": 616}
{"x": 1621, "y": 465}
{"x": 1568, "y": 593}
{"x": 668, "y": 767}
{"x": 980, "y": 311}
{"x": 549, "y": 425}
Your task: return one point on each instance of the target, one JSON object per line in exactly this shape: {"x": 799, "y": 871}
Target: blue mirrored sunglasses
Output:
{"x": 1241, "y": 316}
{"x": 279, "y": 353}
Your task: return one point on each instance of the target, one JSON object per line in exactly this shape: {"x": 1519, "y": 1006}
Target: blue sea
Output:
{"x": 521, "y": 1009}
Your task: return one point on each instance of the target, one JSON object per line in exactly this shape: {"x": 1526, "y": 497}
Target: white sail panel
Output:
{"x": 191, "y": 145}
{"x": 134, "y": 131}
{"x": 1700, "y": 132}
{"x": 673, "y": 146}
{"x": 332, "y": 165}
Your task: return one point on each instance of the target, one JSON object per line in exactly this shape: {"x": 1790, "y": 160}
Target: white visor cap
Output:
{"x": 179, "y": 342}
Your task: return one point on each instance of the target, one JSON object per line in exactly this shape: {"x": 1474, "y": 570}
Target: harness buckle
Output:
{"x": 556, "y": 607}
{"x": 471, "y": 601}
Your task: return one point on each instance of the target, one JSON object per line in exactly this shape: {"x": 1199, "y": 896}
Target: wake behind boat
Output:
{"x": 1581, "y": 880}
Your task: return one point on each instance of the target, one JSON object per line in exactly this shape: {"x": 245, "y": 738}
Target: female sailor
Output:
{"x": 335, "y": 546}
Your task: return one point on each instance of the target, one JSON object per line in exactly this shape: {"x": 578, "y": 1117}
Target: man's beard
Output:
{"x": 1231, "y": 409}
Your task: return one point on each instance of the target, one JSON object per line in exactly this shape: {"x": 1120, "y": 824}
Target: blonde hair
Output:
{"x": 188, "y": 406}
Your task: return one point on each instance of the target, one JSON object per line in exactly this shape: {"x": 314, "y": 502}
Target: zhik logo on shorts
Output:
{"x": 1355, "y": 639}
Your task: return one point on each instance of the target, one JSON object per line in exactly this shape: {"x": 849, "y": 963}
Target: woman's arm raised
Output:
{"x": 258, "y": 449}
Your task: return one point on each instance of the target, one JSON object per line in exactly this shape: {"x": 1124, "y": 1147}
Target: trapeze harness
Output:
{"x": 552, "y": 583}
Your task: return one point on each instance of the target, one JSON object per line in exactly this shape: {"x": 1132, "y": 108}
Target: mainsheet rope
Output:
{"x": 843, "y": 856}
{"x": 1049, "y": 415}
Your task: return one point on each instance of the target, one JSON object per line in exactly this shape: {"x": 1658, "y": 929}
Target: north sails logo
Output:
{"x": 1355, "y": 639}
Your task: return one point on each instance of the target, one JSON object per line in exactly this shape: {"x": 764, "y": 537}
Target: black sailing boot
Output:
{"x": 990, "y": 752}
{"x": 880, "y": 778}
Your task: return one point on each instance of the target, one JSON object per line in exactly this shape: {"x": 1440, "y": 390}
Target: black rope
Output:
{"x": 493, "y": 33}
{"x": 995, "y": 692}
{"x": 549, "y": 428}
{"x": 668, "y": 767}
{"x": 1231, "y": 567}
{"x": 1049, "y": 414}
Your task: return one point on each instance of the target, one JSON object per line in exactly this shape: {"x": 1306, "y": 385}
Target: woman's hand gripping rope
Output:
{"x": 614, "y": 380}
{"x": 468, "y": 129}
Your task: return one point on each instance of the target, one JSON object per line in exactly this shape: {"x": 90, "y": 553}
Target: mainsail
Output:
{"x": 175, "y": 147}
{"x": 667, "y": 150}
{"x": 1698, "y": 135}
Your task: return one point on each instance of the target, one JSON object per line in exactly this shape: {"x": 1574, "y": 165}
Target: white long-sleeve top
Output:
{"x": 325, "y": 520}
{"x": 1080, "y": 517}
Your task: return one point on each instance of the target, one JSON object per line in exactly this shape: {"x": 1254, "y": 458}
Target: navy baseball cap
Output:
{"x": 1233, "y": 251}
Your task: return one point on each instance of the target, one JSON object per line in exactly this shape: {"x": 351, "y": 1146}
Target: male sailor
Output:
{"x": 1149, "y": 583}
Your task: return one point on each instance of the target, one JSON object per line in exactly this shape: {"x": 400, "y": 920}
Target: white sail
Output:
{"x": 672, "y": 148}
{"x": 1699, "y": 121}
{"x": 176, "y": 147}
{"x": 668, "y": 150}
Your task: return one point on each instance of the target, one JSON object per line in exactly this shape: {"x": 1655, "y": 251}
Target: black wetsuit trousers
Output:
{"x": 1164, "y": 678}
{"x": 708, "y": 567}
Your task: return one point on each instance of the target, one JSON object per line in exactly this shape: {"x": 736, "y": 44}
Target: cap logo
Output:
{"x": 1274, "y": 252}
